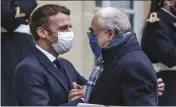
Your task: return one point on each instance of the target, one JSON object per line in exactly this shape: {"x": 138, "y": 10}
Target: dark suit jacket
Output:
{"x": 15, "y": 47}
{"x": 159, "y": 44}
{"x": 128, "y": 77}
{"x": 39, "y": 82}
{"x": 9, "y": 10}
{"x": 159, "y": 39}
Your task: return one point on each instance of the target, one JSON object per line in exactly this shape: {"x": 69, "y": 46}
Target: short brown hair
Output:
{"x": 40, "y": 16}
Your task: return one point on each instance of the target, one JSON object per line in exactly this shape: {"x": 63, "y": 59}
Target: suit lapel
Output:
{"x": 68, "y": 73}
{"x": 50, "y": 67}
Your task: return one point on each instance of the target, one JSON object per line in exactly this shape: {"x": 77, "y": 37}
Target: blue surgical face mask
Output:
{"x": 93, "y": 44}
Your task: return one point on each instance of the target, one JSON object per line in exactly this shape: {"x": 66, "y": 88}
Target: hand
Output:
{"x": 161, "y": 86}
{"x": 76, "y": 92}
{"x": 76, "y": 86}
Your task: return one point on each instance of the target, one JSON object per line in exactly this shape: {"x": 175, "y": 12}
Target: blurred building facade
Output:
{"x": 81, "y": 14}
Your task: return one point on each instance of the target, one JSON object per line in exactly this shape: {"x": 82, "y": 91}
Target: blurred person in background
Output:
{"x": 159, "y": 44}
{"x": 16, "y": 42}
{"x": 43, "y": 77}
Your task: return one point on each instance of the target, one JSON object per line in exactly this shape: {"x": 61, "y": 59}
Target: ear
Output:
{"x": 41, "y": 32}
{"x": 112, "y": 34}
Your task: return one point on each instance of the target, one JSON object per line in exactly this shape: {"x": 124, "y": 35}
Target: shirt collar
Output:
{"x": 48, "y": 55}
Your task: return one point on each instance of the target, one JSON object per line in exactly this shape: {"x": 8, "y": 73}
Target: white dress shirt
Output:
{"x": 47, "y": 54}
{"x": 50, "y": 57}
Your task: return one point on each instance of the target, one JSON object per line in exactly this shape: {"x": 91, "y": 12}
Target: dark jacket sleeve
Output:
{"x": 8, "y": 12}
{"x": 30, "y": 88}
{"x": 139, "y": 87}
{"x": 80, "y": 79}
{"x": 7, "y": 15}
{"x": 160, "y": 44}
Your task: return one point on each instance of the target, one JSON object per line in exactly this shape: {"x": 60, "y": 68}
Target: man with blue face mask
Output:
{"x": 99, "y": 66}
{"x": 128, "y": 77}
{"x": 43, "y": 78}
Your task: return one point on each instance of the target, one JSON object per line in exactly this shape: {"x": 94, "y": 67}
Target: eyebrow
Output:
{"x": 63, "y": 26}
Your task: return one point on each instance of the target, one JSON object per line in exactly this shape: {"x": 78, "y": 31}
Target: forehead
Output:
{"x": 95, "y": 23}
{"x": 60, "y": 19}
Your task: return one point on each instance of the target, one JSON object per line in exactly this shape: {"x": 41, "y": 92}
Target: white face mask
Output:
{"x": 64, "y": 43}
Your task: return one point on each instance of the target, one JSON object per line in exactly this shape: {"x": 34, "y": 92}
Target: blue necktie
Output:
{"x": 62, "y": 71}
{"x": 57, "y": 63}
{"x": 59, "y": 67}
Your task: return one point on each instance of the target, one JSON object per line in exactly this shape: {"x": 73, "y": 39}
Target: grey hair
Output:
{"x": 111, "y": 17}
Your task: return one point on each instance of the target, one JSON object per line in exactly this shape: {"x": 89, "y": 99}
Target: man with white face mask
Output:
{"x": 42, "y": 78}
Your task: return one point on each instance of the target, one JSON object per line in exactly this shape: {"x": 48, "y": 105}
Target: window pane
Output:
{"x": 98, "y": 3}
{"x": 131, "y": 20}
{"x": 122, "y": 4}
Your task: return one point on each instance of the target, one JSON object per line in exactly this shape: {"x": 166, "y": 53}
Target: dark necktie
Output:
{"x": 62, "y": 71}
{"x": 59, "y": 66}
{"x": 57, "y": 63}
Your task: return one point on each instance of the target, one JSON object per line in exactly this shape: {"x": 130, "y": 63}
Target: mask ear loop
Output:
{"x": 102, "y": 32}
{"x": 51, "y": 31}
{"x": 115, "y": 31}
